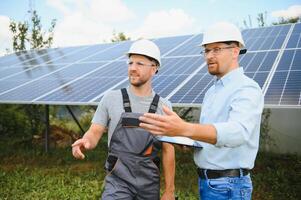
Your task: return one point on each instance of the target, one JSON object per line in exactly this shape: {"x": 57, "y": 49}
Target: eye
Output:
{"x": 216, "y": 50}
{"x": 140, "y": 64}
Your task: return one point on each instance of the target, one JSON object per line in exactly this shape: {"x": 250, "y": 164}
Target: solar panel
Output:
{"x": 285, "y": 86}
{"x": 265, "y": 38}
{"x": 295, "y": 39}
{"x": 81, "y": 75}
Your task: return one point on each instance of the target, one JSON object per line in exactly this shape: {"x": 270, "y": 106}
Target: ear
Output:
{"x": 236, "y": 51}
{"x": 154, "y": 70}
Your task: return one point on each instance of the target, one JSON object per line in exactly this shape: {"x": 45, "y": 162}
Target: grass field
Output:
{"x": 28, "y": 173}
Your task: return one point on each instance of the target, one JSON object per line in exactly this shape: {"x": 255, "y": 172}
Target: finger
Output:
{"x": 158, "y": 120}
{"x": 167, "y": 111}
{"x": 77, "y": 142}
{"x": 78, "y": 153}
{"x": 153, "y": 122}
{"x": 151, "y": 128}
{"x": 155, "y": 116}
{"x": 87, "y": 145}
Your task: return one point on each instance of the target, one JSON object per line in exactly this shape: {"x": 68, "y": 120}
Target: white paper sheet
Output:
{"x": 180, "y": 141}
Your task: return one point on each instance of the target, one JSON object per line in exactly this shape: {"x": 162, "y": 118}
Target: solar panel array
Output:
{"x": 81, "y": 75}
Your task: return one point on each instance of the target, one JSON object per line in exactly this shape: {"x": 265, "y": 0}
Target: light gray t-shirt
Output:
{"x": 111, "y": 106}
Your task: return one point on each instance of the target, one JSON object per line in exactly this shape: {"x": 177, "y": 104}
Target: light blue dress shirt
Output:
{"x": 233, "y": 105}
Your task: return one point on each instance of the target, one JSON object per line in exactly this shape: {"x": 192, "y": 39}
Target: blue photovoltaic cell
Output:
{"x": 190, "y": 47}
{"x": 286, "y": 60}
{"x": 177, "y": 70}
{"x": 20, "y": 57}
{"x": 194, "y": 90}
{"x": 295, "y": 39}
{"x": 116, "y": 50}
{"x": 255, "y": 63}
{"x": 268, "y": 62}
{"x": 292, "y": 90}
{"x": 245, "y": 59}
{"x": 26, "y": 76}
{"x": 260, "y": 78}
{"x": 167, "y": 44}
{"x": 43, "y": 85}
{"x": 183, "y": 65}
{"x": 275, "y": 89}
{"x": 265, "y": 38}
{"x": 85, "y": 89}
{"x": 43, "y": 56}
{"x": 285, "y": 86}
{"x": 82, "y": 54}
{"x": 10, "y": 71}
{"x": 296, "y": 65}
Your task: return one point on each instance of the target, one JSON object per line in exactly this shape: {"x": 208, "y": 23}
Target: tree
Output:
{"x": 287, "y": 21}
{"x": 119, "y": 37}
{"x": 30, "y": 34}
{"x": 261, "y": 18}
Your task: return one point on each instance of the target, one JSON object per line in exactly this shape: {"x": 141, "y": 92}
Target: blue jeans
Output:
{"x": 233, "y": 188}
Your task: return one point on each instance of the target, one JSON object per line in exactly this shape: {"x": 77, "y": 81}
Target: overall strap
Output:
{"x": 126, "y": 100}
{"x": 154, "y": 105}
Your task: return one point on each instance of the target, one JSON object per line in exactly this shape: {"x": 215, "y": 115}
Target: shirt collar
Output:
{"x": 229, "y": 76}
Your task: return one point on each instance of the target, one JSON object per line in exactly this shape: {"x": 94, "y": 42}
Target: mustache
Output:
{"x": 211, "y": 60}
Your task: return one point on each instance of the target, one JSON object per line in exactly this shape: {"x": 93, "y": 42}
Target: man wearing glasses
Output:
{"x": 133, "y": 162}
{"x": 229, "y": 123}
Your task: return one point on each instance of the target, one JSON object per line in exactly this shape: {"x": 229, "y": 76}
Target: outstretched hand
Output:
{"x": 79, "y": 146}
{"x": 170, "y": 124}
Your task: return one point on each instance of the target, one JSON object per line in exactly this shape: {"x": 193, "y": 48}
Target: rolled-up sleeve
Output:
{"x": 244, "y": 117}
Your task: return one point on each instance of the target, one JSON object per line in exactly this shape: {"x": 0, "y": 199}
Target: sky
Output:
{"x": 81, "y": 22}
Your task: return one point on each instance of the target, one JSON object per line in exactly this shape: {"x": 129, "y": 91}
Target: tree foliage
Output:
{"x": 261, "y": 19}
{"x": 118, "y": 37}
{"x": 30, "y": 34}
{"x": 26, "y": 120}
{"x": 287, "y": 21}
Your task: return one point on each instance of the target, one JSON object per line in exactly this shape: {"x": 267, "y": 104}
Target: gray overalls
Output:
{"x": 131, "y": 170}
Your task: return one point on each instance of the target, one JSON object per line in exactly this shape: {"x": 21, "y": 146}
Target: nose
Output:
{"x": 132, "y": 66}
{"x": 209, "y": 55}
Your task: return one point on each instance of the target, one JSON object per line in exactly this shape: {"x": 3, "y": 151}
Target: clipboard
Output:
{"x": 185, "y": 141}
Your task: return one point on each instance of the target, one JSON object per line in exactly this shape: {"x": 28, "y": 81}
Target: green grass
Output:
{"x": 28, "y": 173}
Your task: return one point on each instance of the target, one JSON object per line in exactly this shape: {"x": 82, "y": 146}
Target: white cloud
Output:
{"x": 110, "y": 11}
{"x": 165, "y": 23}
{"x": 291, "y": 12}
{"x": 93, "y": 21}
{"x": 60, "y": 5}
{"x": 5, "y": 35}
{"x": 88, "y": 22}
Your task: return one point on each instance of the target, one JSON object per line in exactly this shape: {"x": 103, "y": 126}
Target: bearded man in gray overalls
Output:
{"x": 133, "y": 164}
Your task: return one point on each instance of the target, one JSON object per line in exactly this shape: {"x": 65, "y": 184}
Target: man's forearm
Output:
{"x": 169, "y": 168}
{"x": 94, "y": 134}
{"x": 201, "y": 132}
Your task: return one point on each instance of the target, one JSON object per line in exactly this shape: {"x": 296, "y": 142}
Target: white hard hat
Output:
{"x": 223, "y": 32}
{"x": 146, "y": 48}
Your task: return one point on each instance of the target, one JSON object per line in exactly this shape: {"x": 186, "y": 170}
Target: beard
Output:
{"x": 137, "y": 83}
{"x": 213, "y": 67}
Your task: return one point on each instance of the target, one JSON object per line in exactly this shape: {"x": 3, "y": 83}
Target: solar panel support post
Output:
{"x": 47, "y": 131}
{"x": 75, "y": 119}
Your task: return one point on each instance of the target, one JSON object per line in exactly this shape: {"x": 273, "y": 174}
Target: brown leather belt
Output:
{"x": 213, "y": 174}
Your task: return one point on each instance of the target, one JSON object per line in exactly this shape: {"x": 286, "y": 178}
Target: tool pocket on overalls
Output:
{"x": 111, "y": 163}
